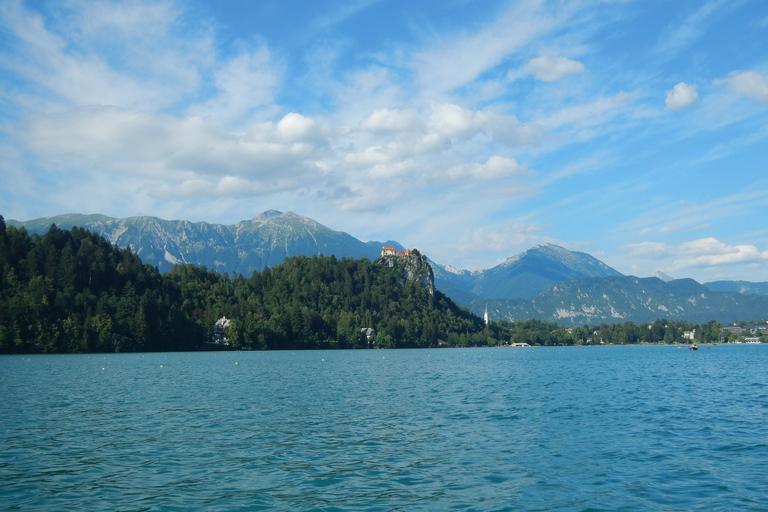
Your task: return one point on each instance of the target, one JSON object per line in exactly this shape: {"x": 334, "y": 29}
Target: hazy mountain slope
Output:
{"x": 455, "y": 283}
{"x": 523, "y": 276}
{"x": 627, "y": 298}
{"x": 738, "y": 287}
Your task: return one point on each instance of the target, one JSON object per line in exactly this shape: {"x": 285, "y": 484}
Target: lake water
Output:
{"x": 600, "y": 428}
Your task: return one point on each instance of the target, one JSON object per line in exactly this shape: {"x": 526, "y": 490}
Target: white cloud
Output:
{"x": 692, "y": 28}
{"x": 681, "y": 96}
{"x": 495, "y": 168}
{"x": 502, "y": 242}
{"x": 245, "y": 84}
{"x": 116, "y": 21}
{"x": 453, "y": 121}
{"x": 710, "y": 251}
{"x": 389, "y": 170}
{"x": 448, "y": 128}
{"x": 125, "y": 55}
{"x": 647, "y": 250}
{"x": 181, "y": 151}
{"x": 594, "y": 113}
{"x": 752, "y": 84}
{"x": 360, "y": 92}
{"x": 385, "y": 120}
{"x": 293, "y": 128}
{"x": 459, "y": 60}
{"x": 700, "y": 253}
{"x": 450, "y": 120}
{"x": 550, "y": 69}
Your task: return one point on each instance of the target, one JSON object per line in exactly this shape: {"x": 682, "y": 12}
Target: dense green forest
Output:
{"x": 73, "y": 291}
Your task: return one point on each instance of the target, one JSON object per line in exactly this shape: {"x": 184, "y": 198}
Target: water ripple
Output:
{"x": 614, "y": 428}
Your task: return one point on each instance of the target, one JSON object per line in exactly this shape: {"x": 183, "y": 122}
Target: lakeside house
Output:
{"x": 370, "y": 335}
{"x": 219, "y": 331}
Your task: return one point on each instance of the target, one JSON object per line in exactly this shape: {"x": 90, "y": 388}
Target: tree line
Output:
{"x": 661, "y": 331}
{"x": 74, "y": 291}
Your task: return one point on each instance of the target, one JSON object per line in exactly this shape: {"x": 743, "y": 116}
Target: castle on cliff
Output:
{"x": 390, "y": 251}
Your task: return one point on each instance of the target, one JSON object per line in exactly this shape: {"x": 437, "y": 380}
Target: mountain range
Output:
{"x": 546, "y": 282}
{"x": 523, "y": 276}
{"x": 593, "y": 301}
{"x": 250, "y": 245}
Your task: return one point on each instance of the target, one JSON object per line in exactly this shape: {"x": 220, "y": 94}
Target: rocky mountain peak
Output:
{"x": 266, "y": 216}
{"x": 664, "y": 277}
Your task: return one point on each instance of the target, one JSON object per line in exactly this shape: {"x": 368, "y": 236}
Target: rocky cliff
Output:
{"x": 414, "y": 267}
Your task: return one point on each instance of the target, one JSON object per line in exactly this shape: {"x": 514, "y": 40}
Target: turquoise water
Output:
{"x": 602, "y": 428}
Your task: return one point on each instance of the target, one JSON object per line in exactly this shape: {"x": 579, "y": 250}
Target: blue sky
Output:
{"x": 636, "y": 131}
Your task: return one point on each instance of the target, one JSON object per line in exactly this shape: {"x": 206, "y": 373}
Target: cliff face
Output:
{"x": 415, "y": 268}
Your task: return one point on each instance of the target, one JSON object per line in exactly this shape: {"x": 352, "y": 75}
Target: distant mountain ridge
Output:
{"x": 264, "y": 241}
{"x": 526, "y": 275}
{"x": 744, "y": 287}
{"x": 627, "y": 298}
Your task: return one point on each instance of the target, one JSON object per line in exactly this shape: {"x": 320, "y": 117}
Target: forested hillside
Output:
{"x": 72, "y": 291}
{"x": 319, "y": 302}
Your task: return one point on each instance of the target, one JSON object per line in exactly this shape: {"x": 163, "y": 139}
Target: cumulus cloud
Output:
{"x": 292, "y": 128}
{"x": 447, "y": 127}
{"x": 751, "y": 84}
{"x": 496, "y": 167}
{"x": 681, "y": 96}
{"x": 186, "y": 153}
{"x": 550, "y": 69}
{"x": 385, "y": 120}
{"x": 389, "y": 170}
{"x": 187, "y": 157}
{"x": 455, "y": 122}
{"x": 710, "y": 251}
{"x": 450, "y": 120}
{"x": 700, "y": 253}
